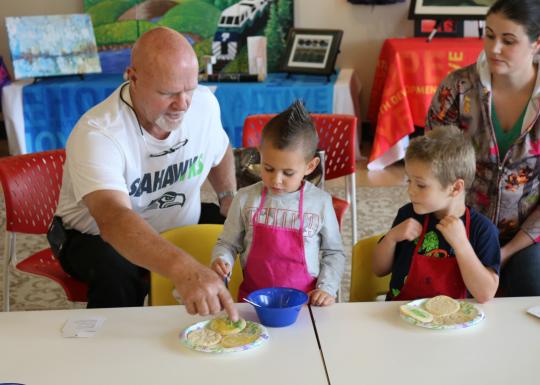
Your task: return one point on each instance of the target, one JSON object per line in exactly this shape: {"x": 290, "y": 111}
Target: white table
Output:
{"x": 142, "y": 346}
{"x": 368, "y": 343}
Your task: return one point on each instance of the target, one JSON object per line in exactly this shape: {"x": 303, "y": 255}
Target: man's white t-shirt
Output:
{"x": 107, "y": 151}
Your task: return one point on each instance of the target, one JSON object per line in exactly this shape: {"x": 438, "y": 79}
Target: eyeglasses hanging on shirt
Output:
{"x": 170, "y": 150}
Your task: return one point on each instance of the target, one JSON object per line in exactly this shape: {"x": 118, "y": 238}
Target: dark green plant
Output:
{"x": 285, "y": 14}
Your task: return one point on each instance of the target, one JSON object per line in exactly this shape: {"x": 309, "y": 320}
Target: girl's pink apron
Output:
{"x": 430, "y": 276}
{"x": 277, "y": 257}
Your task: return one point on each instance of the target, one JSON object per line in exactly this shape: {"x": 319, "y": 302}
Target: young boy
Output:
{"x": 437, "y": 245}
{"x": 284, "y": 228}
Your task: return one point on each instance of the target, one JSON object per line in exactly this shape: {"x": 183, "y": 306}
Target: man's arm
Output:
{"x": 201, "y": 289}
{"x": 223, "y": 178}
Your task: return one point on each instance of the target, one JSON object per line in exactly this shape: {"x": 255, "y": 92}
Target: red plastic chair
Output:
{"x": 31, "y": 185}
{"x": 337, "y": 137}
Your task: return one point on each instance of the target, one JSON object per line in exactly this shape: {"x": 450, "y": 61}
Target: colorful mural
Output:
{"x": 52, "y": 45}
{"x": 214, "y": 27}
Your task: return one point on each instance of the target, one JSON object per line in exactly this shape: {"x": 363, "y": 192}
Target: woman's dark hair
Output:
{"x": 522, "y": 12}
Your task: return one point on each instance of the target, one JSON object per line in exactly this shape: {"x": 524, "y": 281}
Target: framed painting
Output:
{"x": 312, "y": 51}
{"x": 449, "y": 9}
{"x": 55, "y": 45}
{"x": 215, "y": 28}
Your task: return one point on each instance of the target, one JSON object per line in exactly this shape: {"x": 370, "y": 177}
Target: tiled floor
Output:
{"x": 393, "y": 175}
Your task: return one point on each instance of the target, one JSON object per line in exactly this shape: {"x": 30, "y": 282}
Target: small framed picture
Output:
{"x": 445, "y": 28}
{"x": 312, "y": 51}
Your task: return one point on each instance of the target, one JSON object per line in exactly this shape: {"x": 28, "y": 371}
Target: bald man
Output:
{"x": 134, "y": 168}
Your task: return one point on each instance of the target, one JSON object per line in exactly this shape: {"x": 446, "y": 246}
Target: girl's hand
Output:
{"x": 320, "y": 297}
{"x": 409, "y": 230}
{"x": 453, "y": 230}
{"x": 221, "y": 267}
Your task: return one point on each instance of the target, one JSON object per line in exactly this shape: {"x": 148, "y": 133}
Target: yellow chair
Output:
{"x": 197, "y": 240}
{"x": 366, "y": 286}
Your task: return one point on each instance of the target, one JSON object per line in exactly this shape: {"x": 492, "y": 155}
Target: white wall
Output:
{"x": 365, "y": 28}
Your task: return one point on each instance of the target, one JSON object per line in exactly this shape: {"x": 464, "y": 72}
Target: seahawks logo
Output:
{"x": 169, "y": 199}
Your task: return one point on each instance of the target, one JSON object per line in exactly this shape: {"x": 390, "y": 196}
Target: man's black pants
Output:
{"x": 113, "y": 281}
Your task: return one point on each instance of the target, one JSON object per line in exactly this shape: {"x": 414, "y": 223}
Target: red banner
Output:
{"x": 407, "y": 76}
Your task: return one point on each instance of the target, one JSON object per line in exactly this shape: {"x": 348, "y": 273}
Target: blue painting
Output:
{"x": 52, "y": 45}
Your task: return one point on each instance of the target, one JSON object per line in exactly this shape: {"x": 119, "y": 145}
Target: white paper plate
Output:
{"x": 465, "y": 308}
{"x": 251, "y": 328}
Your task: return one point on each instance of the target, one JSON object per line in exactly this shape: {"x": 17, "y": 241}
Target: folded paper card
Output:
{"x": 535, "y": 311}
{"x": 257, "y": 56}
{"x": 82, "y": 327}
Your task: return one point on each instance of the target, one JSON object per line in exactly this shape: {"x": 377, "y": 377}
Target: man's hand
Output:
{"x": 453, "y": 230}
{"x": 203, "y": 292}
{"x": 409, "y": 230}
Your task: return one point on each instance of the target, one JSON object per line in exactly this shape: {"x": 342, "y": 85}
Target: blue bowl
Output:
{"x": 279, "y": 306}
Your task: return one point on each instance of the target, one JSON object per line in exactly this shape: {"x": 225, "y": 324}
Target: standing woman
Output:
{"x": 497, "y": 102}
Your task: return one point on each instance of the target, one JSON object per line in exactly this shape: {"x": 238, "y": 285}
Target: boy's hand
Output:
{"x": 409, "y": 230}
{"x": 221, "y": 267}
{"x": 453, "y": 230}
{"x": 320, "y": 297}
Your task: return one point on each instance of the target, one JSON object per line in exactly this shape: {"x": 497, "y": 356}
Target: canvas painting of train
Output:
{"x": 214, "y": 27}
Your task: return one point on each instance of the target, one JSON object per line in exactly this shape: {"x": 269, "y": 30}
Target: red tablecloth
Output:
{"x": 407, "y": 76}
